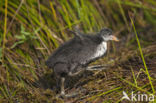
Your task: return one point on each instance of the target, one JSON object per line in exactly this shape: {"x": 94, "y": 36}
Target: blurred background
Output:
{"x": 31, "y": 29}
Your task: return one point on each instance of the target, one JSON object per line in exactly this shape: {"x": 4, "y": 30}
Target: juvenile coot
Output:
{"x": 75, "y": 54}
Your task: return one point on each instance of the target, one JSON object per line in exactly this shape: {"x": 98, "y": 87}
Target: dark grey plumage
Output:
{"x": 78, "y": 52}
{"x": 75, "y": 52}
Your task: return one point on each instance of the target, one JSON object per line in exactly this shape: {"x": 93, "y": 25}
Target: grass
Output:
{"x": 5, "y": 28}
{"x": 104, "y": 93}
{"x": 30, "y": 30}
{"x": 142, "y": 56}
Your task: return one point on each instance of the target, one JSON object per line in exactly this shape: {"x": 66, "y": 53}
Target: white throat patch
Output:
{"x": 100, "y": 50}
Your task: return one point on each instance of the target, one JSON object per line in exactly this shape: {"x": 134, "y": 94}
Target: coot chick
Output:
{"x": 76, "y": 54}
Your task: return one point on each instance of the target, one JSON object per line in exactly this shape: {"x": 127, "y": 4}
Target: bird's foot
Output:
{"x": 70, "y": 95}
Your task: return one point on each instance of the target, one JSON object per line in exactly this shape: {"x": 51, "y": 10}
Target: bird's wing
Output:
{"x": 74, "y": 51}
{"x": 65, "y": 52}
{"x": 77, "y": 34}
{"x": 85, "y": 55}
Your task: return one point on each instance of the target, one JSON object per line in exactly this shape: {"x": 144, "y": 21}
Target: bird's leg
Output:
{"x": 90, "y": 68}
{"x": 62, "y": 86}
{"x": 96, "y": 67}
{"x": 76, "y": 73}
{"x": 73, "y": 94}
{"x": 63, "y": 95}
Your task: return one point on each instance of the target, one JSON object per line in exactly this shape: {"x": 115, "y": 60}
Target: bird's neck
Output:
{"x": 97, "y": 39}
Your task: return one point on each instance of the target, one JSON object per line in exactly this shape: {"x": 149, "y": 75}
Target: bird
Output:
{"x": 76, "y": 54}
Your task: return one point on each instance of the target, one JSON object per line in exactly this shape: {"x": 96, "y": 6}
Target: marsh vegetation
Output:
{"x": 31, "y": 29}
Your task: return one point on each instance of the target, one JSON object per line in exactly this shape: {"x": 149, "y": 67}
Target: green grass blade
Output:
{"x": 5, "y": 29}
{"x": 142, "y": 56}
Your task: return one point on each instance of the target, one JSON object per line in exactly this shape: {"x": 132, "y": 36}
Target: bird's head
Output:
{"x": 106, "y": 34}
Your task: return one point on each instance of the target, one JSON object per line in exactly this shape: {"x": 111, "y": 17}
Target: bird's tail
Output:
{"x": 48, "y": 63}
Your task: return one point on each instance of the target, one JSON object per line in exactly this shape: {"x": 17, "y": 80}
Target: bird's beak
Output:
{"x": 115, "y": 38}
